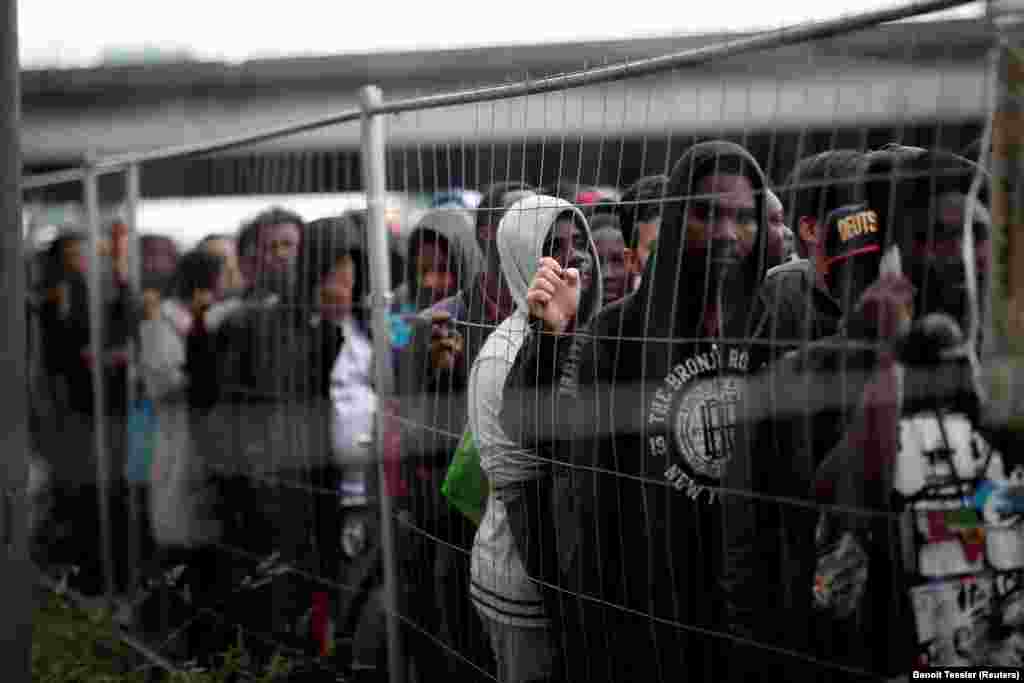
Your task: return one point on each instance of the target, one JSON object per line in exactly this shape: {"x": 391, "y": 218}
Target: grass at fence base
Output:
{"x": 74, "y": 645}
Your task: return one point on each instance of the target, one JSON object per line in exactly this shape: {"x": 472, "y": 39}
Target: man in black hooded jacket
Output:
{"x": 646, "y": 407}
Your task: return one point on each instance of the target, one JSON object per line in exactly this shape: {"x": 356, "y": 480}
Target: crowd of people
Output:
{"x": 725, "y": 429}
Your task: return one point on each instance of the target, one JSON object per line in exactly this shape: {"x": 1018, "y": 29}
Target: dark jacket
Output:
{"x": 771, "y": 566}
{"x": 261, "y": 415}
{"x": 827, "y": 434}
{"x": 68, "y": 387}
{"x": 640, "y": 433}
{"x": 830, "y": 423}
{"x": 434, "y": 410}
{"x": 65, "y": 335}
{"x": 792, "y": 308}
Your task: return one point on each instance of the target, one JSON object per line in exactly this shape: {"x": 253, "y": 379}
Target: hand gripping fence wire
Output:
{"x": 396, "y": 156}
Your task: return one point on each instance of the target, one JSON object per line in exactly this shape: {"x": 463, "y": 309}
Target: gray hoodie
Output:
{"x": 521, "y": 236}
{"x": 456, "y": 227}
{"x": 500, "y": 588}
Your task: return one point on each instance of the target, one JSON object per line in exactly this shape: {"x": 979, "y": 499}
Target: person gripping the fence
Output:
{"x": 937, "y": 587}
{"x": 640, "y": 414}
{"x": 537, "y": 235}
{"x": 835, "y": 426}
{"x": 443, "y": 263}
{"x": 432, "y": 375}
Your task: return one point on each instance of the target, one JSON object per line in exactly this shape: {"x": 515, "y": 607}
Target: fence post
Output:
{"x": 375, "y": 183}
{"x": 1008, "y": 182}
{"x": 17, "y": 592}
{"x": 136, "y": 500}
{"x": 97, "y": 308}
{"x": 131, "y": 202}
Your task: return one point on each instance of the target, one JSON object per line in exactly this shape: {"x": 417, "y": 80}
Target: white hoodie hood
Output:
{"x": 521, "y": 235}
{"x": 500, "y": 587}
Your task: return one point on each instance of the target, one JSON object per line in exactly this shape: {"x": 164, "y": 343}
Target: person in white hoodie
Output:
{"x": 510, "y": 605}
{"x": 165, "y": 381}
{"x": 181, "y": 501}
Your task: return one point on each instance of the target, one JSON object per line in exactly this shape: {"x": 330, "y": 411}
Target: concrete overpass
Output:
{"x": 895, "y": 82}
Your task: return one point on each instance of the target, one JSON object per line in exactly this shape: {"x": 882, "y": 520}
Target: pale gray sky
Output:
{"x": 63, "y": 33}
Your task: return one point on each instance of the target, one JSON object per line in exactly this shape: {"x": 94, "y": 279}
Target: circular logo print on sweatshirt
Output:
{"x": 705, "y": 424}
{"x": 693, "y": 419}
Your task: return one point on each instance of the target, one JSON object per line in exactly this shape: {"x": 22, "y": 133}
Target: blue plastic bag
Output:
{"x": 141, "y": 437}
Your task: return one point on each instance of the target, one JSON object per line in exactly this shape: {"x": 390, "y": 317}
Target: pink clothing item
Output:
{"x": 886, "y": 304}
{"x": 879, "y": 438}
{"x": 588, "y": 197}
{"x": 883, "y": 308}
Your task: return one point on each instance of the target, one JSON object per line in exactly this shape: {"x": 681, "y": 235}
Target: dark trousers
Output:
{"x": 77, "y": 539}
{"x": 591, "y": 641}
{"x": 447, "y": 637}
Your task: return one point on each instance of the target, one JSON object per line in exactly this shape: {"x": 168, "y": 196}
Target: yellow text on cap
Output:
{"x": 860, "y": 223}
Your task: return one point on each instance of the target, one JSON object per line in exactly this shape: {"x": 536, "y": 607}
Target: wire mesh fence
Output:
{"x": 700, "y": 365}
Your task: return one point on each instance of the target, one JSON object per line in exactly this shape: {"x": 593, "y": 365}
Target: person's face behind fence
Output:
{"x": 336, "y": 290}
{"x": 567, "y": 244}
{"x": 721, "y": 225}
{"x": 225, "y": 248}
{"x": 276, "y": 252}
{"x": 611, "y": 250}
{"x": 159, "y": 259}
{"x": 434, "y": 270}
{"x": 279, "y": 246}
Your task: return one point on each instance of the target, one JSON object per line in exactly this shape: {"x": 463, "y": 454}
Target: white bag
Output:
{"x": 180, "y": 503}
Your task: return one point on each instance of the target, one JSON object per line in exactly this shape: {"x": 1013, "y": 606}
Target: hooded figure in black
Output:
{"x": 647, "y": 405}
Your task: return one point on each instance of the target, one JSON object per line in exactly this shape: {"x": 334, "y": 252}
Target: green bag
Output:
{"x": 465, "y": 485}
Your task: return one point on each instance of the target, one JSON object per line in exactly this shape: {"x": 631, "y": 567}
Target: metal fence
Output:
{"x": 407, "y": 555}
